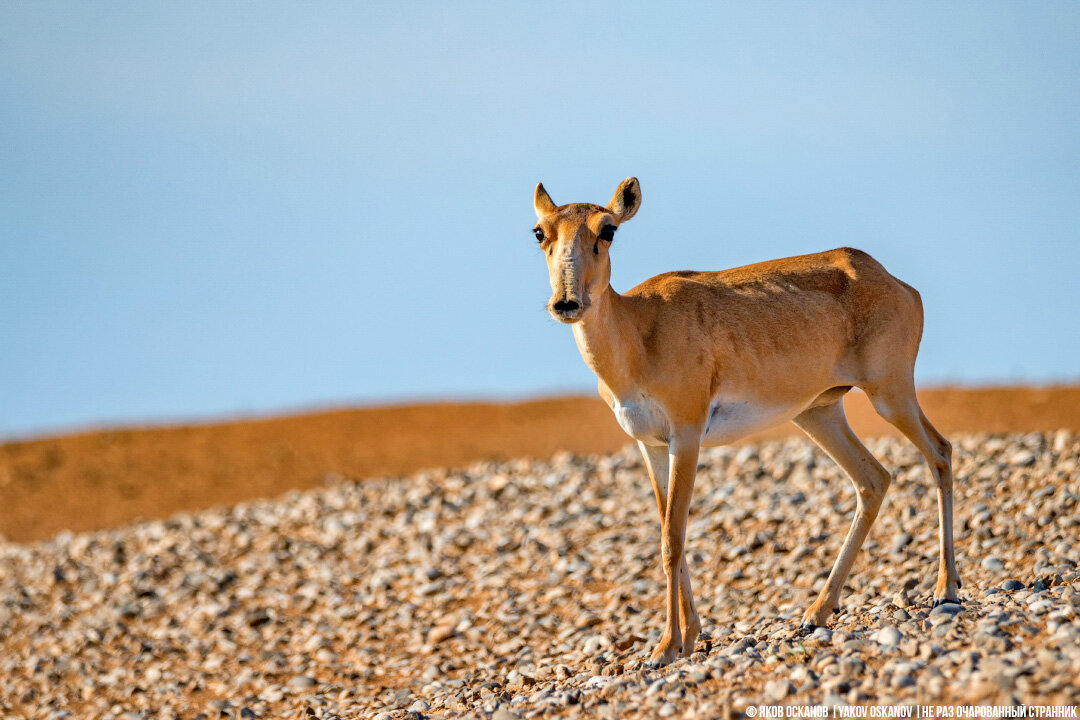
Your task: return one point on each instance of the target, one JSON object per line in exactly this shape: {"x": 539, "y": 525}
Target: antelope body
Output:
{"x": 692, "y": 359}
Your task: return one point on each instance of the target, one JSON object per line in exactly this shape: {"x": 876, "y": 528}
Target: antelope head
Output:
{"x": 576, "y": 239}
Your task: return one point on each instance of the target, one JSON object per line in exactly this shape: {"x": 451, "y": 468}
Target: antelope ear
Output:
{"x": 542, "y": 201}
{"x": 627, "y": 200}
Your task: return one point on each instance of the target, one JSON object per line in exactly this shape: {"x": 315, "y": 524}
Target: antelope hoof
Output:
{"x": 938, "y": 602}
{"x": 664, "y": 654}
{"x": 817, "y": 615}
{"x": 946, "y": 592}
{"x": 689, "y": 640}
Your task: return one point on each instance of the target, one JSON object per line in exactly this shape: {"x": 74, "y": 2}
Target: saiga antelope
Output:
{"x": 692, "y": 359}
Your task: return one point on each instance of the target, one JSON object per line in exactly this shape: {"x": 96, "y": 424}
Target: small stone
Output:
{"x": 777, "y": 690}
{"x": 272, "y": 694}
{"x": 1022, "y": 458}
{"x": 888, "y": 636}
{"x": 302, "y": 681}
{"x": 903, "y": 681}
{"x": 439, "y": 633}
{"x": 130, "y": 610}
{"x": 418, "y": 706}
{"x": 1012, "y": 584}
{"x": 993, "y": 564}
{"x": 947, "y": 609}
{"x": 503, "y": 713}
{"x": 247, "y": 713}
{"x": 1040, "y": 606}
{"x": 901, "y": 541}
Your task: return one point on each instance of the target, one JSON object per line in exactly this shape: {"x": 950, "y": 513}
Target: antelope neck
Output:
{"x": 609, "y": 341}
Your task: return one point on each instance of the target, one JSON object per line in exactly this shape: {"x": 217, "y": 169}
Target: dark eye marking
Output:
{"x": 596, "y": 248}
{"x": 539, "y": 233}
{"x": 607, "y": 233}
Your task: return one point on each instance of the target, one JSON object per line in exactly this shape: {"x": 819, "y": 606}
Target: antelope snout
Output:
{"x": 565, "y": 309}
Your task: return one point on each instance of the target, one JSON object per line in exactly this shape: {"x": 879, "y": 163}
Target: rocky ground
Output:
{"x": 533, "y": 589}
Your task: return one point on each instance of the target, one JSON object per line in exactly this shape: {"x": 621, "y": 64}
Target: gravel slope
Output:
{"x": 527, "y": 589}
{"x": 109, "y": 478}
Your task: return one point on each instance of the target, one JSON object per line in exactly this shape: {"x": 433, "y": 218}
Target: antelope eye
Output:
{"x": 539, "y": 233}
{"x": 607, "y": 233}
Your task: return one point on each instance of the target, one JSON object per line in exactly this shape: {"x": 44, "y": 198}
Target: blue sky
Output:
{"x": 231, "y": 208}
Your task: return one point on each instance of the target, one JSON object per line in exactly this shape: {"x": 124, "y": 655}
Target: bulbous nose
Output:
{"x": 566, "y": 306}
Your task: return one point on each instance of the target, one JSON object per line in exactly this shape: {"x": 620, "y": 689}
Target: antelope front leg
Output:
{"x": 683, "y": 460}
{"x": 656, "y": 460}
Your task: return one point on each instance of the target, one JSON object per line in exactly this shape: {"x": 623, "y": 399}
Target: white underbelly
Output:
{"x": 730, "y": 420}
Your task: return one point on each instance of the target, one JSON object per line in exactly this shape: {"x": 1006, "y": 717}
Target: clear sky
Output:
{"x": 222, "y": 208}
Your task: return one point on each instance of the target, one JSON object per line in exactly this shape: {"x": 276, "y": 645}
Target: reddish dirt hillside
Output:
{"x": 106, "y": 478}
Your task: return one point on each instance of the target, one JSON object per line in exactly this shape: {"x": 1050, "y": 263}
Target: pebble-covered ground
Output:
{"x": 534, "y": 589}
